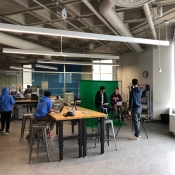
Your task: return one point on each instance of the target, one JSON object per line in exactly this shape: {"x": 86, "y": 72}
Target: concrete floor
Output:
{"x": 153, "y": 156}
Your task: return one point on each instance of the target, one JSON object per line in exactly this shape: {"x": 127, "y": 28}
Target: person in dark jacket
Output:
{"x": 28, "y": 90}
{"x": 116, "y": 97}
{"x": 101, "y": 100}
{"x": 6, "y": 107}
{"x": 43, "y": 108}
{"x": 135, "y": 108}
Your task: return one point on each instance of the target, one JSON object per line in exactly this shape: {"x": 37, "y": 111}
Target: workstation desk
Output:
{"x": 81, "y": 115}
{"x": 27, "y": 104}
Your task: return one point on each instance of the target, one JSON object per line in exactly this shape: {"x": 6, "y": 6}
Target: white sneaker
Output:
{"x": 134, "y": 138}
{"x": 7, "y": 132}
{"x": 139, "y": 137}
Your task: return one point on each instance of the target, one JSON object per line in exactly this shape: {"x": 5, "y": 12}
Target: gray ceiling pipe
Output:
{"x": 107, "y": 10}
{"x": 89, "y": 5}
{"x": 150, "y": 20}
{"x": 13, "y": 41}
{"x": 19, "y": 43}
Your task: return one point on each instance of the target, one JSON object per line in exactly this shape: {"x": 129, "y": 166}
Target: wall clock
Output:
{"x": 145, "y": 74}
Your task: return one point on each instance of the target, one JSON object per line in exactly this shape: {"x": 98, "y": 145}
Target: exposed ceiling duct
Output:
{"x": 16, "y": 42}
{"x": 89, "y": 5}
{"x": 150, "y": 20}
{"x": 129, "y": 3}
{"x": 107, "y": 10}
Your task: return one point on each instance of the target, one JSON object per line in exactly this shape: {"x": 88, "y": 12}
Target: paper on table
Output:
{"x": 119, "y": 103}
{"x": 106, "y": 103}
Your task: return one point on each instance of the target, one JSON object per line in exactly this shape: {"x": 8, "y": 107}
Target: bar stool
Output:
{"x": 23, "y": 126}
{"x": 47, "y": 124}
{"x": 107, "y": 122}
{"x": 39, "y": 130}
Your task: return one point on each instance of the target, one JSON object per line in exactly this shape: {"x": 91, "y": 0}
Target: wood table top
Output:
{"x": 26, "y": 101}
{"x": 79, "y": 114}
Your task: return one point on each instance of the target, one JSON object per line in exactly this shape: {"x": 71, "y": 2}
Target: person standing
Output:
{"x": 6, "y": 105}
{"x": 116, "y": 97}
{"x": 28, "y": 90}
{"x": 101, "y": 100}
{"x": 135, "y": 108}
{"x": 43, "y": 108}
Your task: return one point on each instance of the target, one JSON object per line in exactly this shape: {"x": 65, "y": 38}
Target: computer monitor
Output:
{"x": 69, "y": 96}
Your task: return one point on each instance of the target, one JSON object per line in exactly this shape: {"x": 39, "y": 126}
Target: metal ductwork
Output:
{"x": 16, "y": 42}
{"x": 150, "y": 20}
{"x": 130, "y": 3}
{"x": 89, "y": 5}
{"x": 107, "y": 10}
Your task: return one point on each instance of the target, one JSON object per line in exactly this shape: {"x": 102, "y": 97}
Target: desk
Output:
{"x": 82, "y": 133}
{"x": 26, "y": 103}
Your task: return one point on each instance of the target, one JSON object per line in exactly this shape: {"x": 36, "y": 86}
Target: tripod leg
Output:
{"x": 144, "y": 127}
{"x": 119, "y": 129}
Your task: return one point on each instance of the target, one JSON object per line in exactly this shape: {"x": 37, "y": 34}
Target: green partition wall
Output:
{"x": 88, "y": 89}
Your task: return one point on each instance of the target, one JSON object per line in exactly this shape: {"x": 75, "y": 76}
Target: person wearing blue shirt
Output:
{"x": 43, "y": 108}
{"x": 135, "y": 108}
{"x": 6, "y": 107}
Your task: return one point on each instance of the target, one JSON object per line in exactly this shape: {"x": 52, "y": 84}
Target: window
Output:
{"x": 27, "y": 76}
{"x": 102, "y": 72}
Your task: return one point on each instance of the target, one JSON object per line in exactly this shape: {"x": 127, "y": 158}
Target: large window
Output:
{"x": 27, "y": 76}
{"x": 102, "y": 72}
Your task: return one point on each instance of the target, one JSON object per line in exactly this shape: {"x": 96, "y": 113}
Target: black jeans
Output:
{"x": 5, "y": 119}
{"x": 136, "y": 112}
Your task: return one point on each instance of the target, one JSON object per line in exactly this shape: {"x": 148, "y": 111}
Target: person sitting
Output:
{"x": 117, "y": 109}
{"x": 43, "y": 108}
{"x": 101, "y": 100}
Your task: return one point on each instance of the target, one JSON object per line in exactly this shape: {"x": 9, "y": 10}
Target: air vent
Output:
{"x": 129, "y": 3}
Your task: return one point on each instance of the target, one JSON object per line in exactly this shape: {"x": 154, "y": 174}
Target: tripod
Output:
{"x": 132, "y": 127}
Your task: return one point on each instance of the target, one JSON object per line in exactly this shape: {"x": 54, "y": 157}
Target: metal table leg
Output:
{"x": 80, "y": 133}
{"x": 61, "y": 140}
{"x": 107, "y": 132}
{"x": 57, "y": 125}
{"x": 102, "y": 134}
{"x": 84, "y": 138}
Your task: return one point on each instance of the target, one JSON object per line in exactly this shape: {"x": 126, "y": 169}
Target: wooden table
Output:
{"x": 81, "y": 115}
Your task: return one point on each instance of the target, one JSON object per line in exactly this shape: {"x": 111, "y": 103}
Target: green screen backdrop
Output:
{"x": 89, "y": 88}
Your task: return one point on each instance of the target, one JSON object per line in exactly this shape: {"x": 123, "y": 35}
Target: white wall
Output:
{"x": 146, "y": 64}
{"x": 128, "y": 69}
{"x": 163, "y": 83}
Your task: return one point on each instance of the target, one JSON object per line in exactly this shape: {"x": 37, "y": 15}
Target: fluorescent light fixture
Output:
{"x": 50, "y": 53}
{"x": 81, "y": 35}
{"x": 46, "y": 67}
{"x": 21, "y": 68}
{"x": 76, "y": 63}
